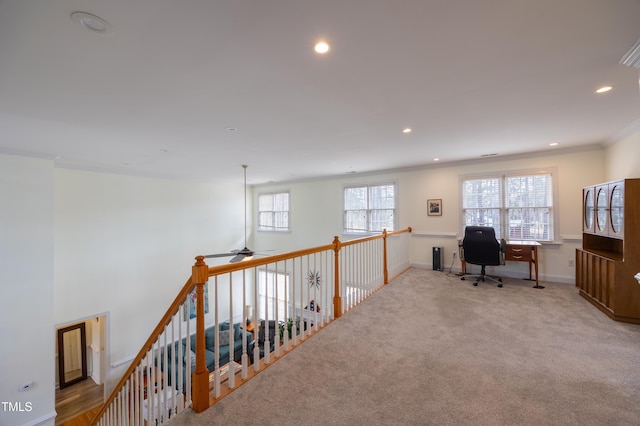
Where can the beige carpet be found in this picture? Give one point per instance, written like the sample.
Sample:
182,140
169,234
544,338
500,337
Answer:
432,349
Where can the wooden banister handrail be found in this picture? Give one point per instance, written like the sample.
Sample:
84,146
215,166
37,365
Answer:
400,231
374,237
255,262
166,318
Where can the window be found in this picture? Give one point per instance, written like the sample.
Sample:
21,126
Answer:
369,208
518,206
273,292
273,211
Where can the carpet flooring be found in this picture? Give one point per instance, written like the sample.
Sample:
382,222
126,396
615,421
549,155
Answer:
430,349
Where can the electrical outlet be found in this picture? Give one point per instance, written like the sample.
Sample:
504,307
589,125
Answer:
571,264
25,386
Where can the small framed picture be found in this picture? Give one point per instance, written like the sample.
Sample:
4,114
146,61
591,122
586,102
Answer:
434,207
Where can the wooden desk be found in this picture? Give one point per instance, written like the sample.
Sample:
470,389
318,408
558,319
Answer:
516,251
524,251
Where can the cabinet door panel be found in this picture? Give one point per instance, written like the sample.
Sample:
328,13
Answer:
616,210
588,209
602,210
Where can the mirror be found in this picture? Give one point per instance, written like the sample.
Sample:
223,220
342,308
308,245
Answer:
72,355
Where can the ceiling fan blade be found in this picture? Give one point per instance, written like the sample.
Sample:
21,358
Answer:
209,256
244,254
238,258
239,254
265,252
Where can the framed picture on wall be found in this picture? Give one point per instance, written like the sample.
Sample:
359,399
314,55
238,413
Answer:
191,314
434,207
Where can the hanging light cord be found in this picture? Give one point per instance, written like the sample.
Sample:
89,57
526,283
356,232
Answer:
244,166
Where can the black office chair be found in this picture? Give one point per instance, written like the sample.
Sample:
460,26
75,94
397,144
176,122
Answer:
481,248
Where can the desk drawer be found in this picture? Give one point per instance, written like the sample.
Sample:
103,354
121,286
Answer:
519,253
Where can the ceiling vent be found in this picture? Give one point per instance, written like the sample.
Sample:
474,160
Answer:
632,57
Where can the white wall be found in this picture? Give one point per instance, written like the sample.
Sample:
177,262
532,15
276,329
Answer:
623,158
315,212
26,302
125,246
316,208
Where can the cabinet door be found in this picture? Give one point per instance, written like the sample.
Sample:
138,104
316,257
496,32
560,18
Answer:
602,210
616,209
588,210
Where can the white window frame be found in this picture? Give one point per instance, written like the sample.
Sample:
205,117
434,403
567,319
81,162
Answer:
274,294
369,209
501,216
271,215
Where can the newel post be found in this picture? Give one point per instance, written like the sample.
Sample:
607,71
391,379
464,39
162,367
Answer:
337,299
385,269
200,377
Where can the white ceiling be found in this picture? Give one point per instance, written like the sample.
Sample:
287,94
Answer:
155,97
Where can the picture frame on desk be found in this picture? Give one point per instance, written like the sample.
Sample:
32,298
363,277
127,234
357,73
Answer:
434,207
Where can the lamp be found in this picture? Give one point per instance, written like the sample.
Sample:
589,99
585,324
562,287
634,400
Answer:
247,313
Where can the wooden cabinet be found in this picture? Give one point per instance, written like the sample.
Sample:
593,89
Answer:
610,253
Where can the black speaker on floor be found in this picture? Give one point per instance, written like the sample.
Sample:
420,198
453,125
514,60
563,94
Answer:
438,259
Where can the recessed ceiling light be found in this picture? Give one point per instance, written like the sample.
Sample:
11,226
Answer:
604,89
322,47
92,22
230,129
436,159
553,144
406,130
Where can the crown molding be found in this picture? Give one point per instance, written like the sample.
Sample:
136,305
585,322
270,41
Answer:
631,129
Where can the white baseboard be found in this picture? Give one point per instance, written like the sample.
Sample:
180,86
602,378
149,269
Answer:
46,420
507,274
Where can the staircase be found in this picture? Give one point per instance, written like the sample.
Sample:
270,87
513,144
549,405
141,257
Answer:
182,364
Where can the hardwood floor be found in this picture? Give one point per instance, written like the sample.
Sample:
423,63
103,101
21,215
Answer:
77,403
83,419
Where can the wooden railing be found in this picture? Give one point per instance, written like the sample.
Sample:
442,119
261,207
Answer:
260,308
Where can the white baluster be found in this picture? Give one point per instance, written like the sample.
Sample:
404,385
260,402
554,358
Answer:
231,371
256,349
297,322
276,343
245,318
216,342
187,379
